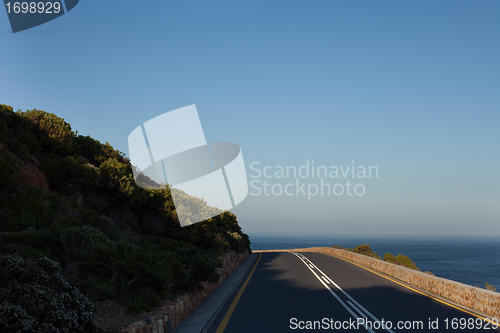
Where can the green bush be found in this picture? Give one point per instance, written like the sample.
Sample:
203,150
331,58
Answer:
50,124
30,141
405,261
365,250
30,208
400,260
36,297
388,257
489,287
89,148
32,243
64,172
134,274
192,265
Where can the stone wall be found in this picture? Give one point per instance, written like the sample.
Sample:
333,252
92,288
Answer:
481,300
165,318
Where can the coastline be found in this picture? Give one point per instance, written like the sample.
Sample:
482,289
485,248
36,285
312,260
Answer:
469,260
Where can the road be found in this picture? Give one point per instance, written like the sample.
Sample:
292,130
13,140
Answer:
313,292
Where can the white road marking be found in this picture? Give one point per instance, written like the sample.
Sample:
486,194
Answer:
335,295
352,299
361,313
358,307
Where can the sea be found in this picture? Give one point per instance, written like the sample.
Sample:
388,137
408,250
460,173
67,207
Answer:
472,261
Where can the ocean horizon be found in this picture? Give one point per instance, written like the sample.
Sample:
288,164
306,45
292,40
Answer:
470,260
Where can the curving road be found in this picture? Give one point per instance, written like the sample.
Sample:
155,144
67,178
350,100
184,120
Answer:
313,292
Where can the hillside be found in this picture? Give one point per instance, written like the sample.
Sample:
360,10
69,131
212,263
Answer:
75,229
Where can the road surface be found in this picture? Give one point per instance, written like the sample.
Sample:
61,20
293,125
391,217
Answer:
313,292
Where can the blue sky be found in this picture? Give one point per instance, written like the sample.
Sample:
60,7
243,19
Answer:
412,87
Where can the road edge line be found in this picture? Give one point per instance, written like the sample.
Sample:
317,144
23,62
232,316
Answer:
227,316
426,293
418,291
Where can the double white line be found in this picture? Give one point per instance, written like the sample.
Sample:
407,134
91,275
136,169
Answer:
352,306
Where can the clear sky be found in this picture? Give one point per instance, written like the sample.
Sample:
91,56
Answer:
412,87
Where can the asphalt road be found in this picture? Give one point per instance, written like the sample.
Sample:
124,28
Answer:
313,292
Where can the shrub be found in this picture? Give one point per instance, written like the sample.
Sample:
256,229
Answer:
136,275
36,292
30,141
49,123
405,261
89,148
64,171
31,208
32,243
193,264
365,250
388,257
140,277
402,261
490,287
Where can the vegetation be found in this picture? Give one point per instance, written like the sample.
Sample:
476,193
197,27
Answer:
37,293
73,200
366,250
363,249
490,287
400,260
